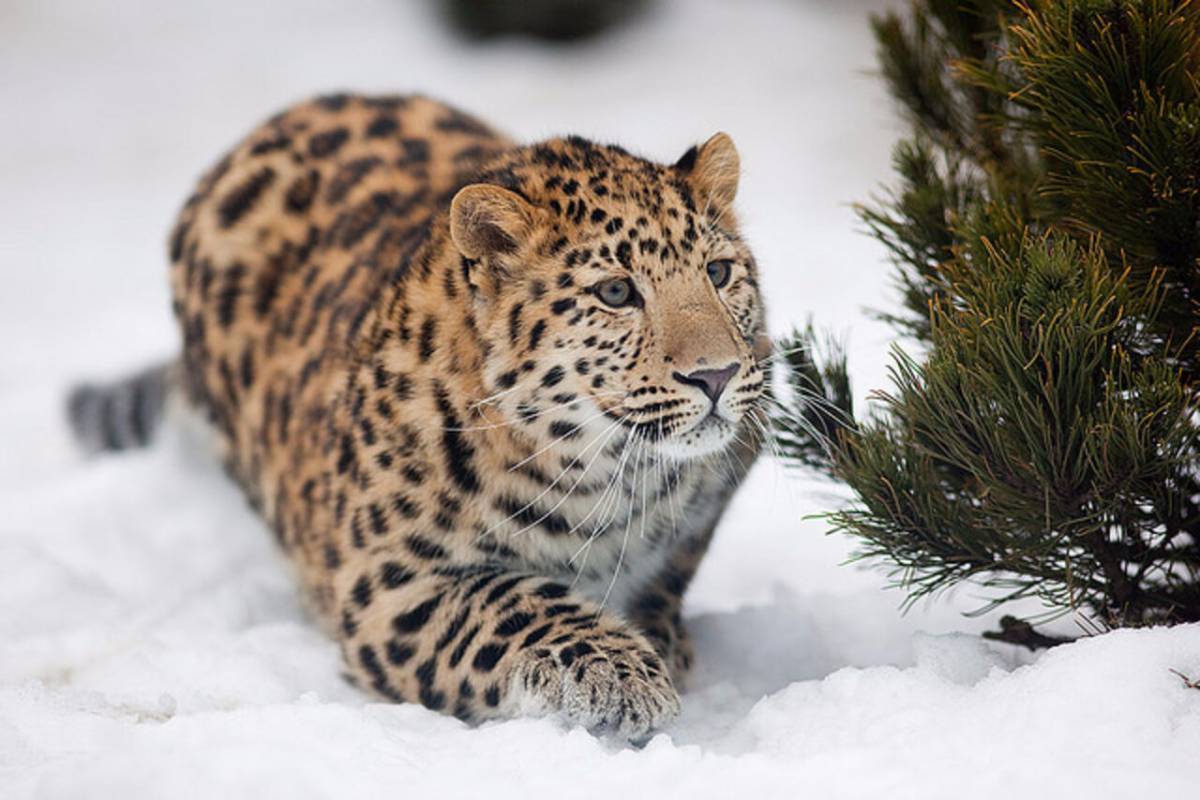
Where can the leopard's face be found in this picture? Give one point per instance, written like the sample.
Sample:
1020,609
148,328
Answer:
627,305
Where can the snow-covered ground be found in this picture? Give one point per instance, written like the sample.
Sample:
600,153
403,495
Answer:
150,641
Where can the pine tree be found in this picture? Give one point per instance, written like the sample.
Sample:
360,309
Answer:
1045,236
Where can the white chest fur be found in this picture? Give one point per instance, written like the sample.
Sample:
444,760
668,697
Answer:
620,534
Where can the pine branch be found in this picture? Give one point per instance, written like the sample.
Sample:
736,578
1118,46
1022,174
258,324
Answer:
1045,237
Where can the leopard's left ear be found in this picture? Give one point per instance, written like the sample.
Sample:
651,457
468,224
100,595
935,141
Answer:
713,170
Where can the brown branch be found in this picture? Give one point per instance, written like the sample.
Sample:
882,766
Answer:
1019,632
1188,682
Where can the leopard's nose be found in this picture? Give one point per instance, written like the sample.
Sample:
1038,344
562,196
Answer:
710,381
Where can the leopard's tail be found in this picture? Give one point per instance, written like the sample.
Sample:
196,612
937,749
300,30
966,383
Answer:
122,414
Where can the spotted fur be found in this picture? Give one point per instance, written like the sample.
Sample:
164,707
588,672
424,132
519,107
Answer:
495,487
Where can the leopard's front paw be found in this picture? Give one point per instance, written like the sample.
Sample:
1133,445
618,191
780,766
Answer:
610,687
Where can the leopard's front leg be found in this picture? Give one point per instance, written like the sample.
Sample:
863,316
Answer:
482,642
657,611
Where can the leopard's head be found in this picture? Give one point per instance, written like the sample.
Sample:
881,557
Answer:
615,294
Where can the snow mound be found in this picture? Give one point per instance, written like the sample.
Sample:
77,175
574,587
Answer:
152,645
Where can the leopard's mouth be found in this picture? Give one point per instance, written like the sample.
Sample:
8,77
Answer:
712,434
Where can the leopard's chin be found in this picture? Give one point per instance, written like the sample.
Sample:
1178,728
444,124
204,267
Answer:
710,436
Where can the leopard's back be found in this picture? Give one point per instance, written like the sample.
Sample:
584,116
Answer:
278,262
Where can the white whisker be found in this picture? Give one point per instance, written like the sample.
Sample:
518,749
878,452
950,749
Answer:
624,537
540,413
560,439
607,433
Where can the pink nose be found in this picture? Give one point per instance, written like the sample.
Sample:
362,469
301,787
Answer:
710,381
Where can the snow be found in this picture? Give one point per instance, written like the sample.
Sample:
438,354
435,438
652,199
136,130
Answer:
150,640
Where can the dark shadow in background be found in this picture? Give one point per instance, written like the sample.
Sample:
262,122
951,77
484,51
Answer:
549,20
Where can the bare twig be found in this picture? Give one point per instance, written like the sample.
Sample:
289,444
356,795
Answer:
1019,632
1188,682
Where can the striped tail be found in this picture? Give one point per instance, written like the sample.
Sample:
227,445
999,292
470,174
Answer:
123,414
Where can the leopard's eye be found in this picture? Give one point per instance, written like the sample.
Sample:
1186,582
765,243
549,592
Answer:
616,292
719,271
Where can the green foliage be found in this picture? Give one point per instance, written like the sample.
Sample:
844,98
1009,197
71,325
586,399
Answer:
817,378
914,228
1046,240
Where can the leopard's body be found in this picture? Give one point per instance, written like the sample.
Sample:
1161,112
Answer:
495,486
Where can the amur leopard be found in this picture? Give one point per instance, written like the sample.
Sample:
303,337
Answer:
492,398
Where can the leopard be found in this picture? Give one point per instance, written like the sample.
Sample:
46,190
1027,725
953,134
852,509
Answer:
491,398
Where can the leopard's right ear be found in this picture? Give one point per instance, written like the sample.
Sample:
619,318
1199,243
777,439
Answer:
488,220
